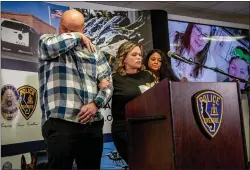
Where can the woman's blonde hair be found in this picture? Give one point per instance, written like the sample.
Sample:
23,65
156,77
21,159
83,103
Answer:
122,53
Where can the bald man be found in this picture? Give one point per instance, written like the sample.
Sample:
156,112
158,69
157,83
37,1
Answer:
69,95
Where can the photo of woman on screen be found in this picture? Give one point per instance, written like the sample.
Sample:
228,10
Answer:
193,44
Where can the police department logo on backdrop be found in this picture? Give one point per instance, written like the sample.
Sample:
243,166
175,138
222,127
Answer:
209,111
28,100
9,102
7,166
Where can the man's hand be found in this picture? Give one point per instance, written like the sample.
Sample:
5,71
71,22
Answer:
104,83
87,113
86,42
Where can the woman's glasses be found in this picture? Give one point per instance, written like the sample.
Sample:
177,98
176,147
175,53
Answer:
198,32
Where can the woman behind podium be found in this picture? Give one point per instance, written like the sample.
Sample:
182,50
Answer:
157,63
130,80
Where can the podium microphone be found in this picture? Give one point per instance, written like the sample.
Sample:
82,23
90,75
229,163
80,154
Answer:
177,57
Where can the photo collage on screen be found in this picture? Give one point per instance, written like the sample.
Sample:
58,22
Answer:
213,46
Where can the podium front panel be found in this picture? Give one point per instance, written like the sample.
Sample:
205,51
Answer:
193,148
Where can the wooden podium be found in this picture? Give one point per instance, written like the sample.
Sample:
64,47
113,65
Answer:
164,132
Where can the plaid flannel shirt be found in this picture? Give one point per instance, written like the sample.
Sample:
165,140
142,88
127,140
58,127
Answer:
69,75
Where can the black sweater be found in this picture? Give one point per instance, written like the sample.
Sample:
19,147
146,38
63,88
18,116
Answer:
126,88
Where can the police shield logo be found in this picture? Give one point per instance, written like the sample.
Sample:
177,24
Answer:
209,111
9,102
28,100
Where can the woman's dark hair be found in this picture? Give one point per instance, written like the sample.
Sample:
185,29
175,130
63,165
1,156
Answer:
165,70
184,39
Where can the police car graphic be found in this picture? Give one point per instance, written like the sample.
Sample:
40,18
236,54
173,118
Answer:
18,36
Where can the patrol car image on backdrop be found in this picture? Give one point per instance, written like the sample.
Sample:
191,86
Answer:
18,37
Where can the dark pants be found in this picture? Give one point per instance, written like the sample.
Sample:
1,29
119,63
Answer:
119,135
68,141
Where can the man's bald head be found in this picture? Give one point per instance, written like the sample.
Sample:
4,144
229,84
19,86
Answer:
71,21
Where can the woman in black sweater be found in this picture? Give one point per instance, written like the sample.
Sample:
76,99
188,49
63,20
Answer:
128,80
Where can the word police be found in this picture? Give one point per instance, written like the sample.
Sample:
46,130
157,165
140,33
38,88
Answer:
210,98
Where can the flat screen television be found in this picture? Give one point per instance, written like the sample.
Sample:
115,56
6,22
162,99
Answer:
214,46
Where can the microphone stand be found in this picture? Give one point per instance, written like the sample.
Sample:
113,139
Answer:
217,70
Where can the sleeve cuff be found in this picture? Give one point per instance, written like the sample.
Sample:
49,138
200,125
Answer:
98,103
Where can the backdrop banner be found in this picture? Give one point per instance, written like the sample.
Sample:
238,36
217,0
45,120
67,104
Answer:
22,25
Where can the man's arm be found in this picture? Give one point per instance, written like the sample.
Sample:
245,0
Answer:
51,46
88,111
104,72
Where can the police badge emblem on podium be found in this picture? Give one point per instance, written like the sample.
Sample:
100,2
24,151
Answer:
208,109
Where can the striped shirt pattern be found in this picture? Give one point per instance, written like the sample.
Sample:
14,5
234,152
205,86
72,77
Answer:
69,75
